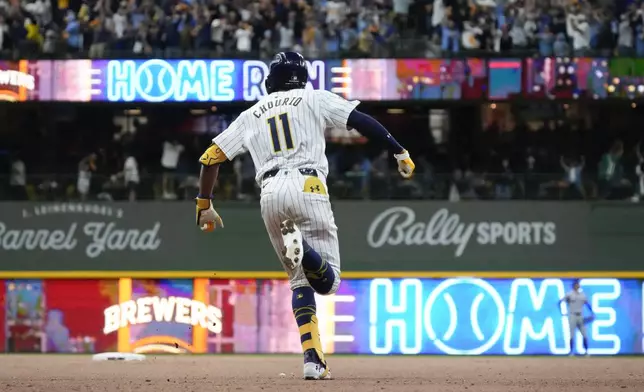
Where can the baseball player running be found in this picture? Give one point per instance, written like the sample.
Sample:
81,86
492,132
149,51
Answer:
576,300
284,133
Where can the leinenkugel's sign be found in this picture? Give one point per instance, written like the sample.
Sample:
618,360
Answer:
374,236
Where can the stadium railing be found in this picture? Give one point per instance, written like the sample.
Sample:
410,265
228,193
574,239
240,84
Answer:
350,185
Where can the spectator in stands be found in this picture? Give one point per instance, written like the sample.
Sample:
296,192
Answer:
530,175
201,33
504,181
580,35
170,37
266,50
639,41
336,12
610,169
505,41
518,34
244,35
4,34
312,40
348,37
625,40
434,49
286,36
34,39
50,43
531,28
172,150
131,176
18,178
101,31
40,10
546,41
451,37
604,39
86,167
73,33
141,44
573,175
217,29
560,46
639,173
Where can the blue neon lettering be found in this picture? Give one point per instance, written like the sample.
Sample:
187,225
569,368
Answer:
465,316
602,294
179,81
193,77
395,321
119,86
535,318
222,82
254,73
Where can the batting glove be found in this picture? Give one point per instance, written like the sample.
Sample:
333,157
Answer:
207,218
405,165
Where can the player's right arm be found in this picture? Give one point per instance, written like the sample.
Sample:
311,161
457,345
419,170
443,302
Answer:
340,113
225,146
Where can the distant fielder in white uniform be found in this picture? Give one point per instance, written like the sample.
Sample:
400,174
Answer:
284,133
576,299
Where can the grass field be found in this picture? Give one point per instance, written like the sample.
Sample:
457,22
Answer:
65,373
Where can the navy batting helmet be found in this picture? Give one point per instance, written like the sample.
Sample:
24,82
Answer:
287,71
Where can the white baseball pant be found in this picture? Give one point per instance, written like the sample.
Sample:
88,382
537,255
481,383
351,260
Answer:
283,197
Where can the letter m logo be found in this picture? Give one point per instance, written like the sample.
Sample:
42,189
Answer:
534,324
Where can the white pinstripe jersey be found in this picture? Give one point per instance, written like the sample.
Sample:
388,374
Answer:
286,129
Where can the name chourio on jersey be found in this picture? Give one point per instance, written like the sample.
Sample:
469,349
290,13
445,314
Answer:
286,101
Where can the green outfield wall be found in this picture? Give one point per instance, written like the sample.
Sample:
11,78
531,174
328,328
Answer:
390,238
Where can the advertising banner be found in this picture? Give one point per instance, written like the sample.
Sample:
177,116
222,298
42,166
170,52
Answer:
455,316
376,239
19,81
221,80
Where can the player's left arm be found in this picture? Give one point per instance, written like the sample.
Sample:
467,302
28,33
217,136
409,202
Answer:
590,308
342,114
373,130
225,146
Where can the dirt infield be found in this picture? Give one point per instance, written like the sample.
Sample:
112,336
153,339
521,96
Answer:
256,373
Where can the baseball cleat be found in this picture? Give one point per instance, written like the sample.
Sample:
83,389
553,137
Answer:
316,371
292,244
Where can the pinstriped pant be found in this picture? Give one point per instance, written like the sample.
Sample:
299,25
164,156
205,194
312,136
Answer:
283,197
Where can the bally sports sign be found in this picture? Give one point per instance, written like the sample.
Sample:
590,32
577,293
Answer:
399,226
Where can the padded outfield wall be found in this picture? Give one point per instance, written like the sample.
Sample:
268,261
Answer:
419,277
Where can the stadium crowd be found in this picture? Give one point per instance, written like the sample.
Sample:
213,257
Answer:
318,28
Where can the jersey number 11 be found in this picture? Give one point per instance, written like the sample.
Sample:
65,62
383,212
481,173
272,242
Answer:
286,129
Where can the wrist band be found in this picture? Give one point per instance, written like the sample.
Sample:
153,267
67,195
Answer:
403,156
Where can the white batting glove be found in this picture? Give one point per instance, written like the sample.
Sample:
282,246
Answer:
207,218
405,165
